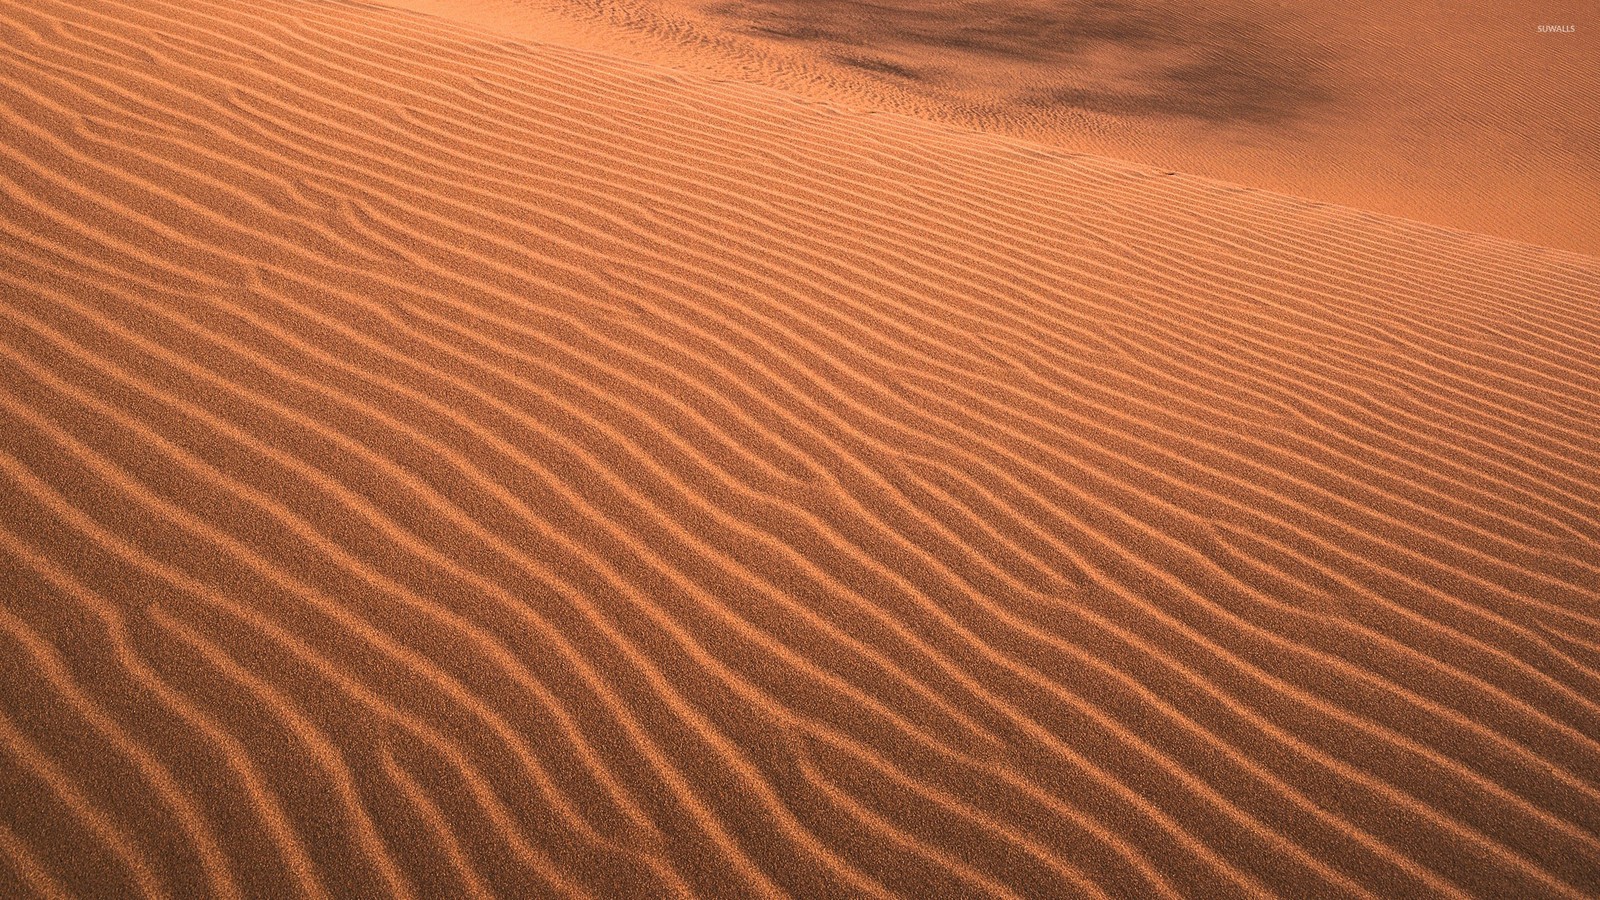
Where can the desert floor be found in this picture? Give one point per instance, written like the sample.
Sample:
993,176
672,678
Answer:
813,448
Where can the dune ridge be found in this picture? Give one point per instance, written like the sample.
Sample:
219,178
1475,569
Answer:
438,464
1466,115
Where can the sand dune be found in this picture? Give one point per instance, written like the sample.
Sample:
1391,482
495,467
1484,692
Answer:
435,463
1479,116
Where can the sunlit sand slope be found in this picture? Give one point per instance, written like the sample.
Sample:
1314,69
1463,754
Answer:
434,464
1482,115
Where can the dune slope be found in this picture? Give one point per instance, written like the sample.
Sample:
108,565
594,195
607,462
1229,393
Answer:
433,464
1482,116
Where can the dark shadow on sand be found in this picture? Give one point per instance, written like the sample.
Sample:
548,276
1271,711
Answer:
1185,61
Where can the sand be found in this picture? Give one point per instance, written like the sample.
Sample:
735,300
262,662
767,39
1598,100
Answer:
1462,115
505,453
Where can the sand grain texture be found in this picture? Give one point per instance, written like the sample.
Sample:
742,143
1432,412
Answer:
436,463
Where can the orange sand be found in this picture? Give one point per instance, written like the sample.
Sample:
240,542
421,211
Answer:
506,454
1463,115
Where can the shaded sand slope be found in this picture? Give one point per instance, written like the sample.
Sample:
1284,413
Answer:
435,464
1461,114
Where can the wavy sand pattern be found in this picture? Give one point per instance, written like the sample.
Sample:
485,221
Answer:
438,464
1481,115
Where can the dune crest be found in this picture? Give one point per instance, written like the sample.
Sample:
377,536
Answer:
1483,117
434,463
